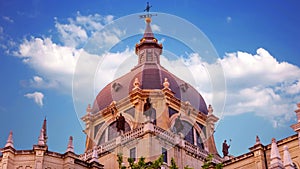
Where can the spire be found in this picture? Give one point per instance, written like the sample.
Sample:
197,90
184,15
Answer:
45,130
276,162
95,154
41,141
10,142
257,141
148,49
70,145
148,34
287,161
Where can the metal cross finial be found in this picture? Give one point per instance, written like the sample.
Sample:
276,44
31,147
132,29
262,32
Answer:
147,7
148,15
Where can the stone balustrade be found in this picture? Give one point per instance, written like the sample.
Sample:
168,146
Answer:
158,132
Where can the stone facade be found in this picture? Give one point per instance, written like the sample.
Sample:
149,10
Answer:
280,154
41,158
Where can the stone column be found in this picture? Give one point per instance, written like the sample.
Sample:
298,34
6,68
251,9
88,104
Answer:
210,128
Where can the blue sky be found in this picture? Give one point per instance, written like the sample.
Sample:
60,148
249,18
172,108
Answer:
258,43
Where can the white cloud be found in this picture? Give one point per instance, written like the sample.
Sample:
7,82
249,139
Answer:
8,19
37,97
256,83
228,19
76,31
155,28
71,34
260,84
1,29
37,79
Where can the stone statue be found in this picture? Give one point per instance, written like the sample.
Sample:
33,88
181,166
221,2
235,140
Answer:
147,108
149,111
178,126
225,148
120,123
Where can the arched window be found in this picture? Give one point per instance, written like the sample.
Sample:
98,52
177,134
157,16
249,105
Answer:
199,140
188,132
111,132
191,135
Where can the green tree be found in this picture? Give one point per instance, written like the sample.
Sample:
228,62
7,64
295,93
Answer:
173,164
208,163
187,167
120,161
141,164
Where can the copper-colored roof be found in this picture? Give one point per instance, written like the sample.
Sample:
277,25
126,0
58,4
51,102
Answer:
151,76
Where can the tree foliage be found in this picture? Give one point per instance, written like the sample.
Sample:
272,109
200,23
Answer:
141,164
173,164
208,163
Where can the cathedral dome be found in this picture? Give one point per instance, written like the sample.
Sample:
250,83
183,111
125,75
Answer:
150,75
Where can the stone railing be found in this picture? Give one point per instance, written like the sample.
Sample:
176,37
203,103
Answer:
191,148
107,146
158,132
133,134
161,133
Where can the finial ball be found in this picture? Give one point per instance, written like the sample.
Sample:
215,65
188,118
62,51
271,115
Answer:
148,19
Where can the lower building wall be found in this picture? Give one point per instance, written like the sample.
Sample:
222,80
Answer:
254,160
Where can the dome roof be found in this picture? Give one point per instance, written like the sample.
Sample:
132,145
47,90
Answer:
151,75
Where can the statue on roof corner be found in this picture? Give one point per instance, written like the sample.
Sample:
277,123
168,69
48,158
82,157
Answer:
147,7
225,148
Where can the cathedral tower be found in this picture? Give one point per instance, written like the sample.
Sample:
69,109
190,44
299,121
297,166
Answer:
149,112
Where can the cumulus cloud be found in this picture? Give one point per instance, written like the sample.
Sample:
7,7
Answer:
37,97
58,61
76,31
256,83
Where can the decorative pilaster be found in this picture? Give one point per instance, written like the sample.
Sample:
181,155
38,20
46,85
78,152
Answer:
258,151
287,161
40,150
210,122
276,162
296,127
8,153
